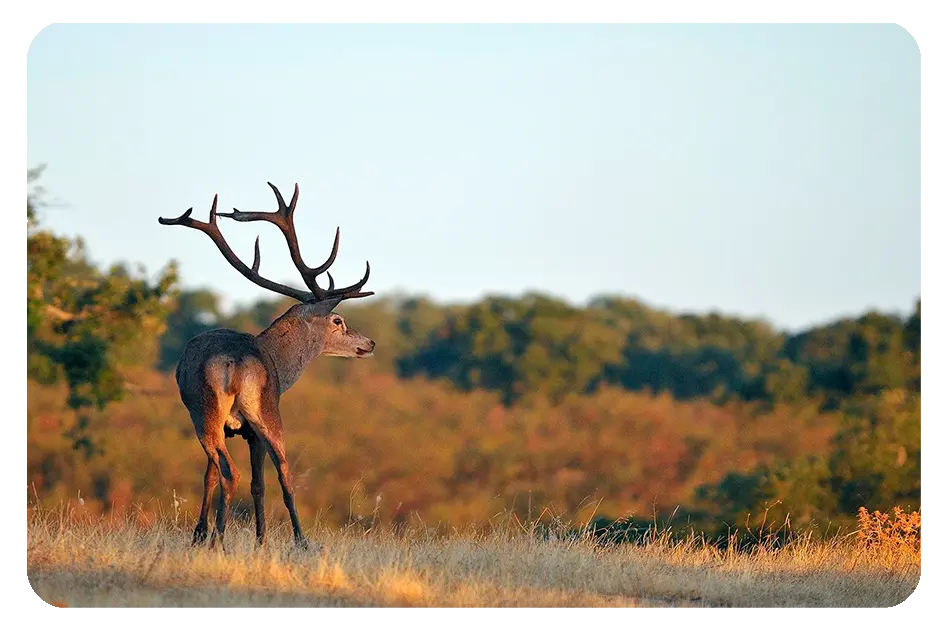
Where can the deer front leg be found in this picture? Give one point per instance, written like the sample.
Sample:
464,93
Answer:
278,456
276,449
257,455
267,428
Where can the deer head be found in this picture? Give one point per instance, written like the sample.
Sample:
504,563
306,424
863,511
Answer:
317,304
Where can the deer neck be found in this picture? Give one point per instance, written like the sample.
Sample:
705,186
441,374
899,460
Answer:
291,343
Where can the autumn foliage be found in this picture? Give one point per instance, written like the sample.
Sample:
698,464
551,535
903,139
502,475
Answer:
510,405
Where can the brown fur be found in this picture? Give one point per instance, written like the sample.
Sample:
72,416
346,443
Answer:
231,382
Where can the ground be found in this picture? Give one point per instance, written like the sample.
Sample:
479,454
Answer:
73,561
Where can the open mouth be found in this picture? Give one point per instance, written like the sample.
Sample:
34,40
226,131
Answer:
363,353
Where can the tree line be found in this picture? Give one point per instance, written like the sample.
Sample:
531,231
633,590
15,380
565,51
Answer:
538,345
508,395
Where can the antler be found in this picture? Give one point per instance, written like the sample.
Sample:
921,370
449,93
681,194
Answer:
283,217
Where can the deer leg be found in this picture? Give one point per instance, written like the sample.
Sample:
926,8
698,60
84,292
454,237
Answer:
209,482
267,427
257,455
277,452
228,480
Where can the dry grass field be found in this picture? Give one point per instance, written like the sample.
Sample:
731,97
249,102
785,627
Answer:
78,561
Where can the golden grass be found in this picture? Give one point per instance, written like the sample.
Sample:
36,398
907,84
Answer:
882,531
79,561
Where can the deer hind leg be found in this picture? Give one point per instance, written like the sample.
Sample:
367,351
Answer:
228,480
203,423
268,429
210,429
209,482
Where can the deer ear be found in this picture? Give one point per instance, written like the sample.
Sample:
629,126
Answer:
324,307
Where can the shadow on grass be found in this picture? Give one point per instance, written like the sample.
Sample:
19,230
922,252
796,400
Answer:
100,588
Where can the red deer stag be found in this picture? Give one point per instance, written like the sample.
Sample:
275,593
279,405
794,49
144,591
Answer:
231,382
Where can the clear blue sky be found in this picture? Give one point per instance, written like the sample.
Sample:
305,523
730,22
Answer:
762,171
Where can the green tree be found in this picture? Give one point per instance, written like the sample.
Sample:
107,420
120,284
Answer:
876,460
857,357
84,325
196,312
532,345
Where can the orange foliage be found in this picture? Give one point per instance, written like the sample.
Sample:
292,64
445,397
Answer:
425,449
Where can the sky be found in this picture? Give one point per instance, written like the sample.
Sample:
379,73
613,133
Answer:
759,171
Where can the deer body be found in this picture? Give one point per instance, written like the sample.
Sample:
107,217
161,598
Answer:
231,382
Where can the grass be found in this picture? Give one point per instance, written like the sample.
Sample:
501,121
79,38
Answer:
77,560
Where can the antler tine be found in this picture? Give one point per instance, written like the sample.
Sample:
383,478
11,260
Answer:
316,271
283,208
258,256
211,229
180,220
294,198
353,290
283,218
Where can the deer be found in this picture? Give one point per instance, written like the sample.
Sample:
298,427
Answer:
231,382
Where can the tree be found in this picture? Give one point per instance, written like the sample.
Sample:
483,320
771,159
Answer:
84,325
876,460
196,312
518,347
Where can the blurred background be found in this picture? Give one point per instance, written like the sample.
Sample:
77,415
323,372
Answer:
620,270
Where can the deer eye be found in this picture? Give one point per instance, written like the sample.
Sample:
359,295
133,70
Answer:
338,321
